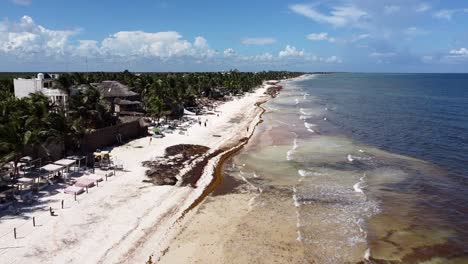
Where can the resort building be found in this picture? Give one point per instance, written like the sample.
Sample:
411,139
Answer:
42,84
123,101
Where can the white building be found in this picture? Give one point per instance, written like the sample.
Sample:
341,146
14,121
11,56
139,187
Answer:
42,84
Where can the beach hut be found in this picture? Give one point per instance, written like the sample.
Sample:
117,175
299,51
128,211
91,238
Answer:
79,160
66,163
52,169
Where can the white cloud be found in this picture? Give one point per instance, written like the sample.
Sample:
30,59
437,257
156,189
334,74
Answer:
258,41
390,9
265,57
160,44
87,48
29,41
229,52
456,55
340,16
22,2
320,36
422,7
25,37
445,14
291,51
459,52
415,31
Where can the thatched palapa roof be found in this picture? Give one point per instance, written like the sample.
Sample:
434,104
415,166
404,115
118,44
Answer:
119,101
113,89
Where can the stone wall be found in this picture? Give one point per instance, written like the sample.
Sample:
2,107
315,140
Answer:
113,135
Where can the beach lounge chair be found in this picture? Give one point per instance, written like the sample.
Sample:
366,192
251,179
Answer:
73,190
84,183
95,178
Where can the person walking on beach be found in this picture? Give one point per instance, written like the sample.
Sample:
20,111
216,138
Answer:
151,139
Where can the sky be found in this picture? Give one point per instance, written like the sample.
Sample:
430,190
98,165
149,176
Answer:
208,35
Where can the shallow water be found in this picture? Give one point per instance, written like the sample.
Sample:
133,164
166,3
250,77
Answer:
354,199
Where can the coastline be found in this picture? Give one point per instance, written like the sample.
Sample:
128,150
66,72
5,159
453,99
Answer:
126,220
211,232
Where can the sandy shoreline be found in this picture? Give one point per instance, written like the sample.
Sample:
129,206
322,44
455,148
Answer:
125,220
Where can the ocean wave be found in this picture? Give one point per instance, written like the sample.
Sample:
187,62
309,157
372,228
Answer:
359,185
297,101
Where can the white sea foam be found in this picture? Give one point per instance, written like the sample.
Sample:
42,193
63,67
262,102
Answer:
298,221
360,185
297,101
357,187
367,254
305,95
305,173
352,158
290,153
296,201
309,127
303,112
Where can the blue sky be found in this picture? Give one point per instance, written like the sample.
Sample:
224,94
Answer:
206,35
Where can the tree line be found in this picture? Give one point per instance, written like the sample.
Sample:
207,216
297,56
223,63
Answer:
34,120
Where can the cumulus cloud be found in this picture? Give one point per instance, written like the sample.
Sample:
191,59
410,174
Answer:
26,37
229,52
160,44
320,36
291,51
339,16
258,41
22,2
459,52
32,42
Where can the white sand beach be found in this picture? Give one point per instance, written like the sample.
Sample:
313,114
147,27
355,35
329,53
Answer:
123,220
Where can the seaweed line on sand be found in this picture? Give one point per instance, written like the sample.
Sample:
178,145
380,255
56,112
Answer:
217,179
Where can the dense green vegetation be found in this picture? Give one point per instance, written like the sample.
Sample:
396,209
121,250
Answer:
32,121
